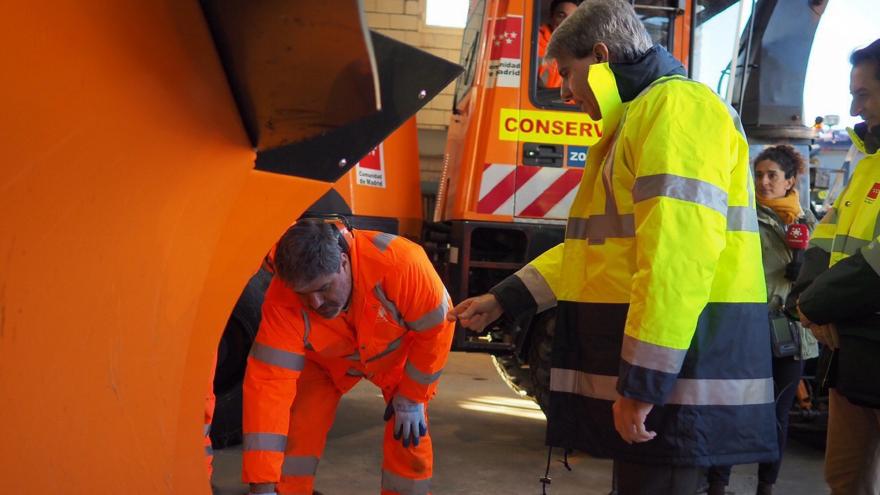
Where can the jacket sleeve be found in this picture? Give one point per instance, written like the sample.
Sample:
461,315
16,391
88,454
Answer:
534,287
849,290
815,263
816,258
419,294
276,360
682,169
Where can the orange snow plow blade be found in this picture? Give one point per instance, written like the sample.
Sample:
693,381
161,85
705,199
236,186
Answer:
130,218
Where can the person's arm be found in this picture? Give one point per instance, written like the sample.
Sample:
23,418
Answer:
815,263
276,360
419,294
534,287
849,290
682,173
816,258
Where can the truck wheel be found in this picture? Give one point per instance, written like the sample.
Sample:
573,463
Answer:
540,351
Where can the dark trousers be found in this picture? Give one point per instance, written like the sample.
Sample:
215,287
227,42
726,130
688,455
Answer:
651,479
787,373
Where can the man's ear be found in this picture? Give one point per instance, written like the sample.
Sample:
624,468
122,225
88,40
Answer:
600,52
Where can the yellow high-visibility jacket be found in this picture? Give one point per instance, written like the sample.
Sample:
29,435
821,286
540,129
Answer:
659,286
854,220
840,280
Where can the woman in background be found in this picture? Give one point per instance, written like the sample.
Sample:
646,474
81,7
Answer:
776,171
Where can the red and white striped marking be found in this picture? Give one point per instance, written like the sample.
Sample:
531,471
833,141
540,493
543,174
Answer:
526,191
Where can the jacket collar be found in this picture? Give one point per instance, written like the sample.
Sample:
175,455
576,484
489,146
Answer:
617,83
633,77
865,140
767,216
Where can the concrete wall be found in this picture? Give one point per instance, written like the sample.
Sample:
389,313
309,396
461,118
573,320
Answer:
404,20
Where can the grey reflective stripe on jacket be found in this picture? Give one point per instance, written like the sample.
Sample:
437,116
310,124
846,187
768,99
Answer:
382,240
848,245
430,319
420,377
299,465
404,486
270,442
647,355
687,391
681,188
278,357
537,287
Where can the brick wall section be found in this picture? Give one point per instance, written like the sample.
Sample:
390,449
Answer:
403,20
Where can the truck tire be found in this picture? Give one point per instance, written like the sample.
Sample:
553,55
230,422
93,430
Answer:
540,352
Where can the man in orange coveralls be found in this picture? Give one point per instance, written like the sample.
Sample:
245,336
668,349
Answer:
343,305
548,74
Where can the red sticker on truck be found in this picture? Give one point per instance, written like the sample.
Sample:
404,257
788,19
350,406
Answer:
371,168
505,55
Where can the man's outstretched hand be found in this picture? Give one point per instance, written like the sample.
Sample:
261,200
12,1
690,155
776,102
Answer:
476,313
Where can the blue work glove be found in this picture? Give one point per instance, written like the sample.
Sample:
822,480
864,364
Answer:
409,420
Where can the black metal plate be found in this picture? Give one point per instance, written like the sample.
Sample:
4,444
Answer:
408,78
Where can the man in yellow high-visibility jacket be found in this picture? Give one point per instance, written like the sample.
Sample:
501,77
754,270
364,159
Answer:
839,297
661,356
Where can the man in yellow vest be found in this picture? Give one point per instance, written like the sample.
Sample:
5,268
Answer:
839,300
661,357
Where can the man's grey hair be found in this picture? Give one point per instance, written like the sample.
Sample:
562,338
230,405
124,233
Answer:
308,250
612,22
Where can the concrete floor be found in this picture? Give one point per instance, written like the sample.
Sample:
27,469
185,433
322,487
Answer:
487,440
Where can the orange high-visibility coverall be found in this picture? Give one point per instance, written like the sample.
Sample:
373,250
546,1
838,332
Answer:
548,72
394,333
